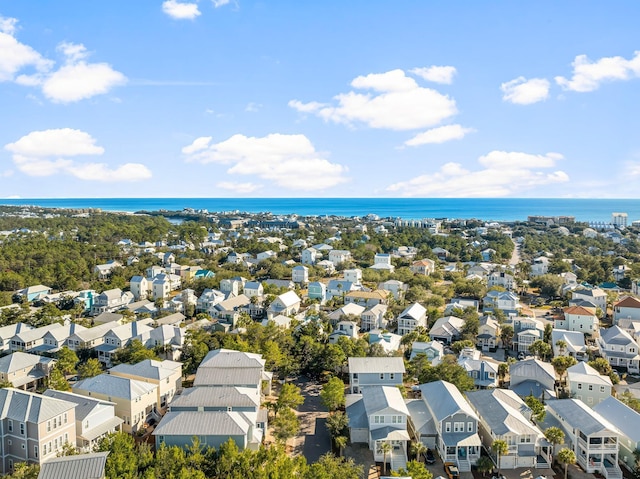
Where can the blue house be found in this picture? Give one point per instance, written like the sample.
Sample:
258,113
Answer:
317,290
204,273
33,293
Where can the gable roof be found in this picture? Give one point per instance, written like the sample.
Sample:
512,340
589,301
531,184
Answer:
532,369
228,358
379,398
216,397
30,407
83,466
415,311
628,302
621,416
115,386
288,299
19,360
148,368
444,400
582,372
503,411
578,310
578,415
615,335
207,423
376,365
84,405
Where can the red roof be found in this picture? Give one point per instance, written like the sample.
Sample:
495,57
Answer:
628,302
578,310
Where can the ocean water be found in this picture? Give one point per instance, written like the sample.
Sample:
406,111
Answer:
496,209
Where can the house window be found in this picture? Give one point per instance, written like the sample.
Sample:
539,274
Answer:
35,451
590,387
394,419
470,427
9,442
10,425
381,376
579,385
601,389
22,428
65,417
391,375
376,419
11,464
447,427
458,427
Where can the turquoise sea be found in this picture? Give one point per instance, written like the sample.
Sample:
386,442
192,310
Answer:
500,209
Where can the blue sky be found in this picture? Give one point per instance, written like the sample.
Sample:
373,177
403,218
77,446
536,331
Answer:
284,98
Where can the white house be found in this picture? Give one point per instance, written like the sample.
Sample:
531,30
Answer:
574,344
587,384
627,421
619,348
300,274
374,317
578,318
382,371
447,329
308,256
502,279
338,256
353,275
382,261
593,295
140,287
627,308
287,304
413,316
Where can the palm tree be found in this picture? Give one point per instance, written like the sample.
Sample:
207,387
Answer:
484,464
418,449
500,447
561,344
386,448
566,456
555,436
341,443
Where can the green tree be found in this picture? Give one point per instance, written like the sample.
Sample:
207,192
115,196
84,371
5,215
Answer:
540,349
57,381
337,424
506,335
90,368
331,467
603,367
67,360
561,364
414,470
566,456
289,397
418,449
537,408
447,370
500,448
332,394
122,461
341,442
23,470
133,353
285,425
458,346
484,465
554,435
386,449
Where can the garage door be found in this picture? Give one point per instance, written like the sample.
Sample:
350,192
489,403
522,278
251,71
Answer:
359,435
508,462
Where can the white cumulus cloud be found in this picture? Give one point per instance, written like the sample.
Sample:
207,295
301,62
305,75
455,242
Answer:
47,152
81,80
220,3
289,161
502,174
525,92
242,188
181,10
589,75
14,56
440,134
436,74
394,101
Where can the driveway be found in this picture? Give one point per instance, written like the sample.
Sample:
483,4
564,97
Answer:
313,438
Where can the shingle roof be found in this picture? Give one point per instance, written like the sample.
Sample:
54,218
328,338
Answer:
210,423
628,302
579,310
115,386
376,365
83,466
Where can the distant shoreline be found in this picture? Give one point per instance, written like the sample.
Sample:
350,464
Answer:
487,209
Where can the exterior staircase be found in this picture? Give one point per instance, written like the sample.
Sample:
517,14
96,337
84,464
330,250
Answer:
612,472
464,465
398,459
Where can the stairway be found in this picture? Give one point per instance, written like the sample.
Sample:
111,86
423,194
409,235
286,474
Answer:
398,459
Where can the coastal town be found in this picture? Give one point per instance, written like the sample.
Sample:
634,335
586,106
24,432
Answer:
192,344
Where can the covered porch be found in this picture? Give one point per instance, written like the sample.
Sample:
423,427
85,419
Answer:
398,439
461,448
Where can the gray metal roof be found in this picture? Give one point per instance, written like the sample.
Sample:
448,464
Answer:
148,368
18,360
84,405
503,411
30,407
227,377
227,358
97,331
216,397
83,466
578,415
356,412
379,398
115,386
444,399
421,417
195,423
615,335
621,416
582,372
376,365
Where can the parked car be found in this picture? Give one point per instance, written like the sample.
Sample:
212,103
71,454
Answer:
451,470
430,457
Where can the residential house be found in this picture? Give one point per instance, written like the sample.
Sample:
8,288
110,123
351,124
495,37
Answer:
300,274
578,318
527,331
413,317
140,287
338,256
539,266
423,267
505,416
287,304
229,310
480,269
488,334
328,267
265,255
587,384
447,329
501,279
170,337
33,293
10,331
83,466
627,421
532,376
339,287
593,439
433,350
382,261
95,418
574,344
208,299
135,401
167,375
110,300
379,416
91,337
441,253
487,254
280,321
103,271
280,283
456,424
308,256
395,287
163,284
380,371
484,372
54,339
224,367
232,287
253,288
506,301
85,298
353,275
317,290
619,349
367,299
627,308
460,304
118,337
26,340
348,329
390,342
35,428
374,318
593,295
25,371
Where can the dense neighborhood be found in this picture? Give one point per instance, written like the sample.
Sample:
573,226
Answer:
363,345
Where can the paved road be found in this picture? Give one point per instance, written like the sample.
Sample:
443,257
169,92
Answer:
515,256
313,439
